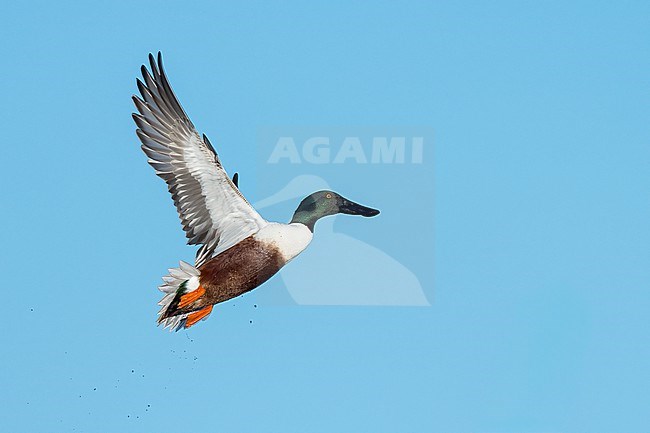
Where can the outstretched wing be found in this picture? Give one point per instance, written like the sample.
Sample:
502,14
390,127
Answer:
213,212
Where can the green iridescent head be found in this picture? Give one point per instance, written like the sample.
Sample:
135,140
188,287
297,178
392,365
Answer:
324,203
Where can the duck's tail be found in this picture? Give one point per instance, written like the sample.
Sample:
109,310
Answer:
182,291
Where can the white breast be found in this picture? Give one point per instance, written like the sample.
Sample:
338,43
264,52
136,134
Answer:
290,239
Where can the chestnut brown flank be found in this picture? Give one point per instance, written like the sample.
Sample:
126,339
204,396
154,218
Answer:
238,270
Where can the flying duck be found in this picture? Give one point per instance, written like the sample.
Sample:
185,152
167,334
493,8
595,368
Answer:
239,250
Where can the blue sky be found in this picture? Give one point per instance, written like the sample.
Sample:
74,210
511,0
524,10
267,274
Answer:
537,217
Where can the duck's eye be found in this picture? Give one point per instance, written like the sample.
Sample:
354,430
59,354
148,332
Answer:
328,195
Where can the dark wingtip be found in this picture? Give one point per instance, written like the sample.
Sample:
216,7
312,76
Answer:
152,64
235,180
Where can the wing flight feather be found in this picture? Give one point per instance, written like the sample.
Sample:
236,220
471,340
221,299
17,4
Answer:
213,212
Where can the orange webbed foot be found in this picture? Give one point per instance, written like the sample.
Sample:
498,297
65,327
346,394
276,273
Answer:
198,315
190,297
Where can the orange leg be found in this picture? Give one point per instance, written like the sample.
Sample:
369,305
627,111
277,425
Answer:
190,297
197,315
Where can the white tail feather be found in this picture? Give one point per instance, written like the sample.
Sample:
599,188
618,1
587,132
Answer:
173,281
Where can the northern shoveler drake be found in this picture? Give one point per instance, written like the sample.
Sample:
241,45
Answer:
239,250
